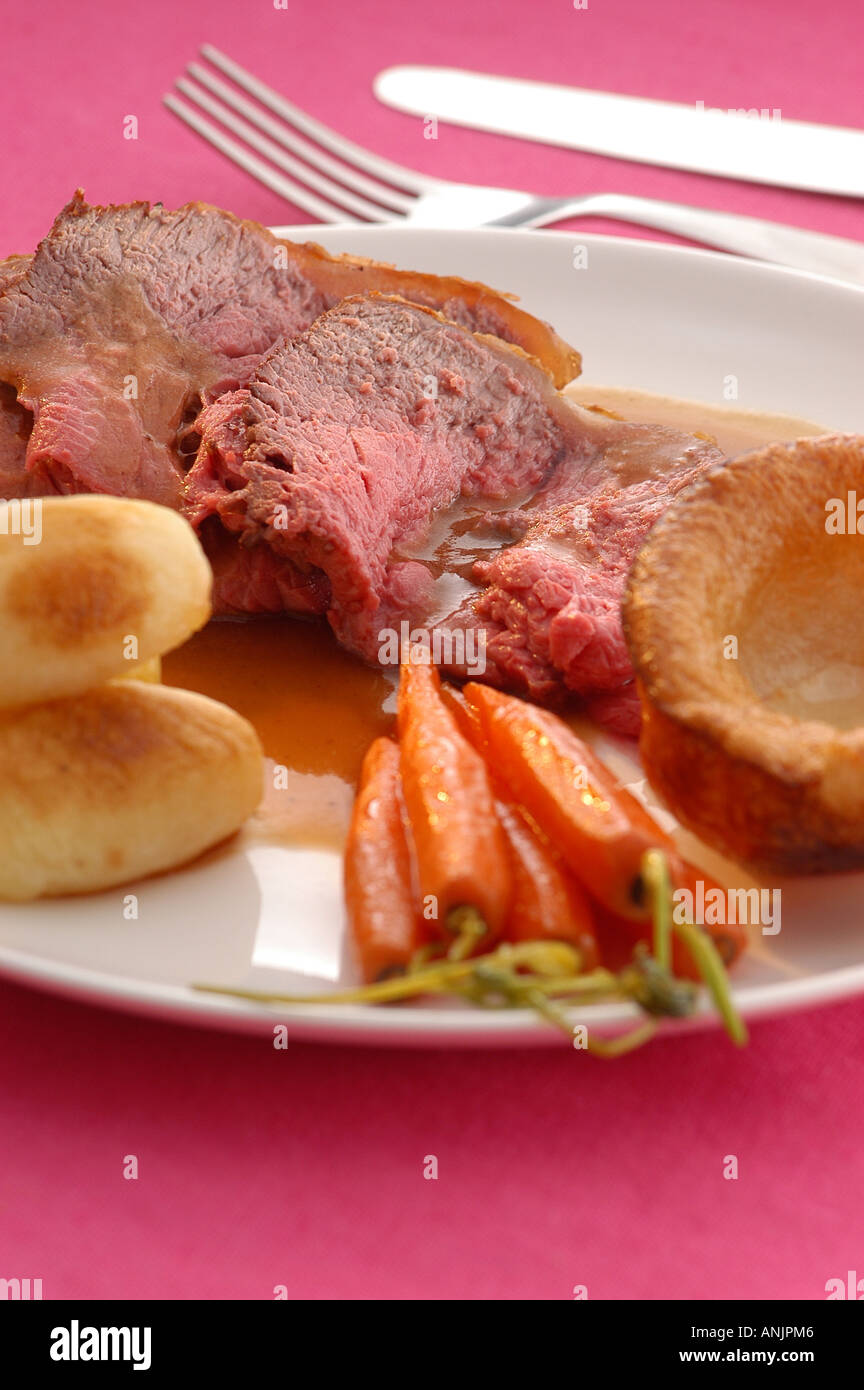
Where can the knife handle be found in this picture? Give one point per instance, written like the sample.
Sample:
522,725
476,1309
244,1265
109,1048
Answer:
748,236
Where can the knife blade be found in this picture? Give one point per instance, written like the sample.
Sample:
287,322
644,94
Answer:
760,147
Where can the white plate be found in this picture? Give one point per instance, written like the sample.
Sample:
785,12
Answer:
644,315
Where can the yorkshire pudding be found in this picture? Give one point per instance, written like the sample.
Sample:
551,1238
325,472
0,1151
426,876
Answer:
744,616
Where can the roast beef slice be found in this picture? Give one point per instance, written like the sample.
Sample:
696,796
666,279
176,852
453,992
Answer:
351,440
127,319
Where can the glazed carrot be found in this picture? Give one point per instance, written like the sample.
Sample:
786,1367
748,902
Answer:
382,913
547,905
618,935
466,716
459,847
600,829
730,938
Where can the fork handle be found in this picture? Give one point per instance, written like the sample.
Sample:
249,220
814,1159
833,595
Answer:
748,236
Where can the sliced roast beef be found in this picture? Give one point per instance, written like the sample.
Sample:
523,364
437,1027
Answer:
14,268
555,595
128,318
353,434
15,421
350,443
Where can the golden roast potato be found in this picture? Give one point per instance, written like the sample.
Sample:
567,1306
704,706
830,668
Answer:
126,780
98,585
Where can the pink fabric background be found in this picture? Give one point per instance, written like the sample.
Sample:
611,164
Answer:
304,1168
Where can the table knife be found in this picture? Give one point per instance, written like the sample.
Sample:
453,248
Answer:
761,147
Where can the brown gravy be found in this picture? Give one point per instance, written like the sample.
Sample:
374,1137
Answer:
317,709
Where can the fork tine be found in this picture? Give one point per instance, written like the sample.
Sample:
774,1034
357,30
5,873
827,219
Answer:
285,187
382,168
277,156
313,154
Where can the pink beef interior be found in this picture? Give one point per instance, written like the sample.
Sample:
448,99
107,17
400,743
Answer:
354,436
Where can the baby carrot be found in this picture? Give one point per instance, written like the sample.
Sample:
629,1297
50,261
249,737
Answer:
459,847
730,938
600,829
466,716
547,905
618,935
382,912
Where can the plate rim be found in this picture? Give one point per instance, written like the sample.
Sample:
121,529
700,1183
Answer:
292,232
183,1004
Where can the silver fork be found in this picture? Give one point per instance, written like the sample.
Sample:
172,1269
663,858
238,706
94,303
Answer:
336,180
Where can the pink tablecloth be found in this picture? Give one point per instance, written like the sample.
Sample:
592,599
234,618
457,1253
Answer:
305,1167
